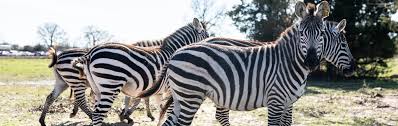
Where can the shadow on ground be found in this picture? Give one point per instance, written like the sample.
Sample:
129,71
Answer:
70,123
84,123
353,85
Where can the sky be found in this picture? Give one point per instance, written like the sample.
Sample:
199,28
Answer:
126,20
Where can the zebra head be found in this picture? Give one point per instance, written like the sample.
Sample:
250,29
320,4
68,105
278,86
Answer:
310,27
336,50
200,28
191,33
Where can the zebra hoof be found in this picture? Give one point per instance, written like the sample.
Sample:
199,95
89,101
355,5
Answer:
72,115
121,117
130,121
152,118
41,120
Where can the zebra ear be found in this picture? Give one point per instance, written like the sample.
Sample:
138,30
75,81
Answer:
300,9
198,26
322,9
340,27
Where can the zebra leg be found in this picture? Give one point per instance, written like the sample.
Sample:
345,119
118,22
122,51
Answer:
126,107
286,118
75,108
222,116
189,106
173,112
158,100
80,98
275,112
148,109
103,103
169,111
59,87
129,111
74,111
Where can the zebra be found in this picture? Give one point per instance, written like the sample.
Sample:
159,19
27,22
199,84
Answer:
66,76
246,78
333,35
113,68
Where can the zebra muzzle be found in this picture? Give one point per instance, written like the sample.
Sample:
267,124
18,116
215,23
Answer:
311,61
350,70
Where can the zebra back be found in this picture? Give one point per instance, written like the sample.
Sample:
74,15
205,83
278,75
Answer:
148,43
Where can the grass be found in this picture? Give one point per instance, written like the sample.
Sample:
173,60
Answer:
350,102
12,69
392,67
340,103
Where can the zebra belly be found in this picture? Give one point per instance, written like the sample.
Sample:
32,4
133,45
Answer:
242,105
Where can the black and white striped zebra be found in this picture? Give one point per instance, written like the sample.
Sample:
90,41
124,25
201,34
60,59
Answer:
66,76
113,68
246,78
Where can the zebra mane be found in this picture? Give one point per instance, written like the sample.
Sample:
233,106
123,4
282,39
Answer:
151,48
141,41
249,41
311,8
182,30
74,50
131,46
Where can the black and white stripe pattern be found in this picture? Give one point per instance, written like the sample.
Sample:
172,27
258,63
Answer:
113,68
246,78
148,43
66,76
335,43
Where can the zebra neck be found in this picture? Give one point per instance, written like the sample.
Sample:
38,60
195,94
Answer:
291,56
182,37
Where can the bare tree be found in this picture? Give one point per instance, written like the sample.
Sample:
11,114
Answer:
208,12
51,33
95,35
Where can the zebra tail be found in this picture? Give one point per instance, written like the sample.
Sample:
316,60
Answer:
53,54
156,87
77,63
164,108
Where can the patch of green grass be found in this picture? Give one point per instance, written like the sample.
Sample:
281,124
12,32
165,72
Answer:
392,67
24,69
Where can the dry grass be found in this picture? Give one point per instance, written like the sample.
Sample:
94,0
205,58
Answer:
339,103
361,103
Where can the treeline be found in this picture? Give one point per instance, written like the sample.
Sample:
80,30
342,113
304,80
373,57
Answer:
52,35
32,48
